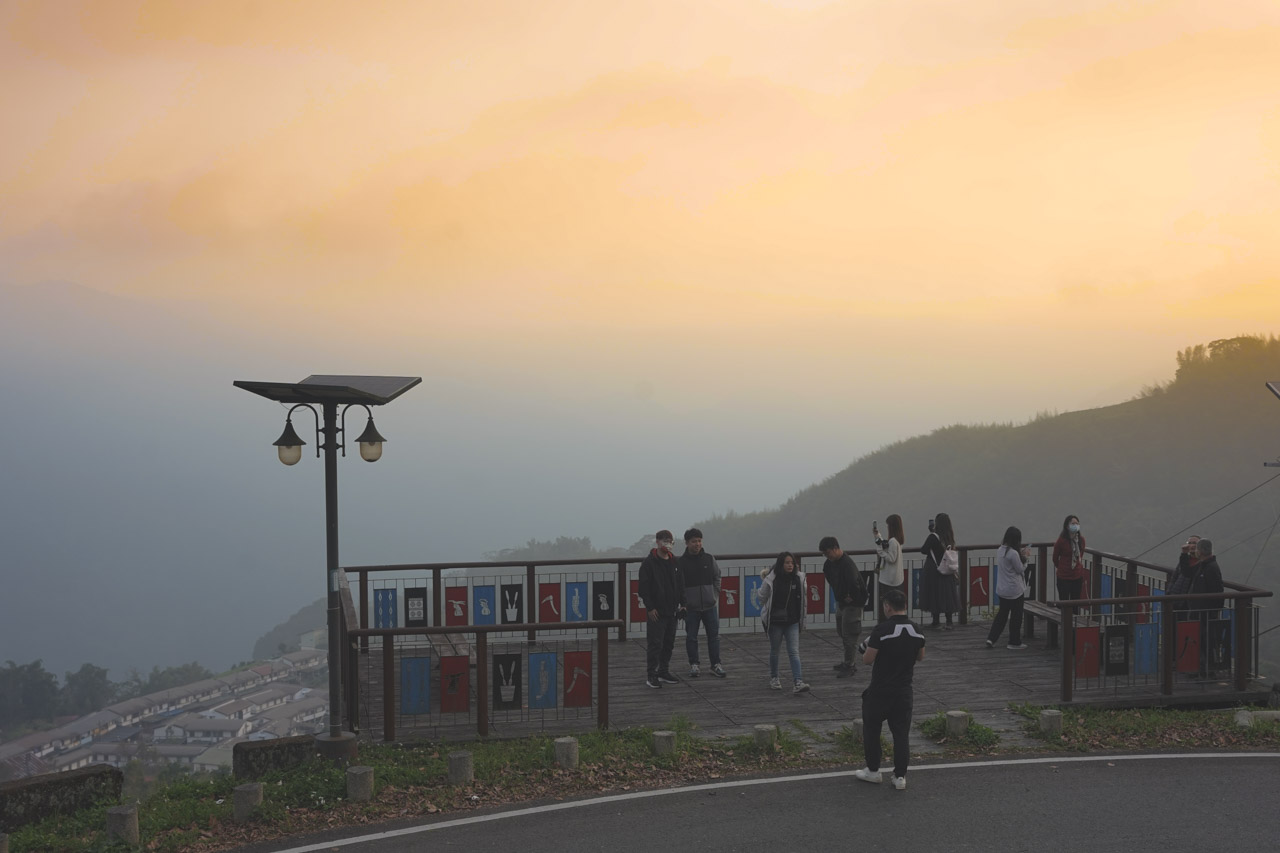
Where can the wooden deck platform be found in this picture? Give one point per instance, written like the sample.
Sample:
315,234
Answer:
959,672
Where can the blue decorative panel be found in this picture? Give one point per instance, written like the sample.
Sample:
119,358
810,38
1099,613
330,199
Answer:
542,680
485,605
1146,645
751,595
1107,586
915,588
415,685
831,599
1156,607
386,609
576,603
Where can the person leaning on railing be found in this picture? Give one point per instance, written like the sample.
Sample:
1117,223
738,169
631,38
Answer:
1068,560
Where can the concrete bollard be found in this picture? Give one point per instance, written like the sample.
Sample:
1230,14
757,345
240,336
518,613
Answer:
957,723
856,728
462,769
766,736
122,823
359,784
664,743
246,799
567,752
1244,719
1051,722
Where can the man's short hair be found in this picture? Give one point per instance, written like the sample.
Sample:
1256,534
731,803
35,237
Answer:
828,543
1205,547
664,534
692,533
895,599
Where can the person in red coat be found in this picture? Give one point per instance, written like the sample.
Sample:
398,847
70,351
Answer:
1068,560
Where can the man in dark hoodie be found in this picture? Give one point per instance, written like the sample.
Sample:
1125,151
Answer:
701,576
851,595
662,594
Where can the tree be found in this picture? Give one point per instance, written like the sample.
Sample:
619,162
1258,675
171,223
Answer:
86,690
27,693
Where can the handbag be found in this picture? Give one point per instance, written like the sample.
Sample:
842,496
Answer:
950,563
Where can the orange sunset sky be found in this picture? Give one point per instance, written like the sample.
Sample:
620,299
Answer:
791,192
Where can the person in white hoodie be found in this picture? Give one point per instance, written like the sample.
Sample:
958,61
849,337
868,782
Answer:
889,550
1011,587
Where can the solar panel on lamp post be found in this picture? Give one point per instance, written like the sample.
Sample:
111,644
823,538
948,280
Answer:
328,392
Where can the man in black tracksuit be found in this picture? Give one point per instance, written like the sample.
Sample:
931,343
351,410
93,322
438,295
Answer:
662,594
700,575
892,650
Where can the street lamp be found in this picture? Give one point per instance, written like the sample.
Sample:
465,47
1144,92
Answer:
328,393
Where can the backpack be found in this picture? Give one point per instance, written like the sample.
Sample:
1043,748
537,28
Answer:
950,564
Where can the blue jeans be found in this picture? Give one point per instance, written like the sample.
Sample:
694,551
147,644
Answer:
694,618
792,633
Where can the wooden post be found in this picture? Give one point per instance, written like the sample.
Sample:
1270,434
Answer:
1243,641
364,610
437,596
623,595
1131,591
388,688
964,585
482,683
602,678
353,685
531,600
1068,652
1168,646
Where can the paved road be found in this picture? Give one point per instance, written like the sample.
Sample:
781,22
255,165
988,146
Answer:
1113,803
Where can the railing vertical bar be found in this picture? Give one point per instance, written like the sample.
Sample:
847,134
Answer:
964,585
602,678
1042,574
364,609
353,686
531,599
1168,643
482,683
388,688
1243,613
623,594
1068,652
437,596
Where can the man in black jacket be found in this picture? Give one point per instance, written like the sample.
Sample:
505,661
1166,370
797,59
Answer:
851,594
662,594
701,576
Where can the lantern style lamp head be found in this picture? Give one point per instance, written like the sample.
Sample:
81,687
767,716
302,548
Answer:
370,442
289,444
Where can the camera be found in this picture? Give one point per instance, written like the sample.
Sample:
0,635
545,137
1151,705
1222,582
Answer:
932,525
862,647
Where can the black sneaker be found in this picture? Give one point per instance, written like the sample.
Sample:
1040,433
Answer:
667,678
652,681
847,673
840,666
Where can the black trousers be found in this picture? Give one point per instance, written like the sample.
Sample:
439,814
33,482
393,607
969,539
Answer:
660,639
1070,590
894,705
1010,611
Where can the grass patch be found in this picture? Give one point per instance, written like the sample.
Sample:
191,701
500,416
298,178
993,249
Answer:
849,742
977,739
1096,729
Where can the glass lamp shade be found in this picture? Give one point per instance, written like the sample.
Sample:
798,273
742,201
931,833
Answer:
290,454
371,451
289,444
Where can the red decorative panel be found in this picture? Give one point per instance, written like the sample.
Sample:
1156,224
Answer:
1144,610
1088,655
638,616
1188,646
815,593
577,679
455,605
549,609
455,684
980,585
730,598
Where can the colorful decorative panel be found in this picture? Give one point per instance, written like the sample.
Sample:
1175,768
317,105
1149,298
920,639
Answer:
1107,585
511,604
455,684
1187,654
577,679
638,615
1117,642
980,586
415,685
484,605
1146,646
1217,643
603,602
815,584
542,680
415,607
730,598
508,681
549,603
1143,616
455,605
385,608
577,605
751,595
1156,607
1087,652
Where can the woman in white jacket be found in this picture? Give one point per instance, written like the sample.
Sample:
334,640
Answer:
889,550
1011,587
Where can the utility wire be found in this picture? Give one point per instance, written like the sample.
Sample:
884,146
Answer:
1210,515
1263,549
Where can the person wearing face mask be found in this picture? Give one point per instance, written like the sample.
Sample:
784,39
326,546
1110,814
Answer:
662,594
1068,560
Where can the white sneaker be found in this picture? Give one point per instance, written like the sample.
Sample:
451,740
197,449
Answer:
989,643
900,783
801,687
775,684
693,670
868,775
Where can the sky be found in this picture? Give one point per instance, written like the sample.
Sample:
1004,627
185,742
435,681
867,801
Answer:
653,261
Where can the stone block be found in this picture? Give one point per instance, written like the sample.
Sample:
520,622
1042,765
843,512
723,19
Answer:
122,823
247,798
1051,722
567,752
664,743
766,736
36,798
957,723
359,784
252,759
1244,719
462,770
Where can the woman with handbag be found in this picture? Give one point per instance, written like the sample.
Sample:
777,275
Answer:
939,592
1011,587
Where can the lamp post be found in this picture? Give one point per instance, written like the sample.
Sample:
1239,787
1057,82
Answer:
328,393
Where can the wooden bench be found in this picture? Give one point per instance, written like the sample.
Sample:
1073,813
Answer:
1032,609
